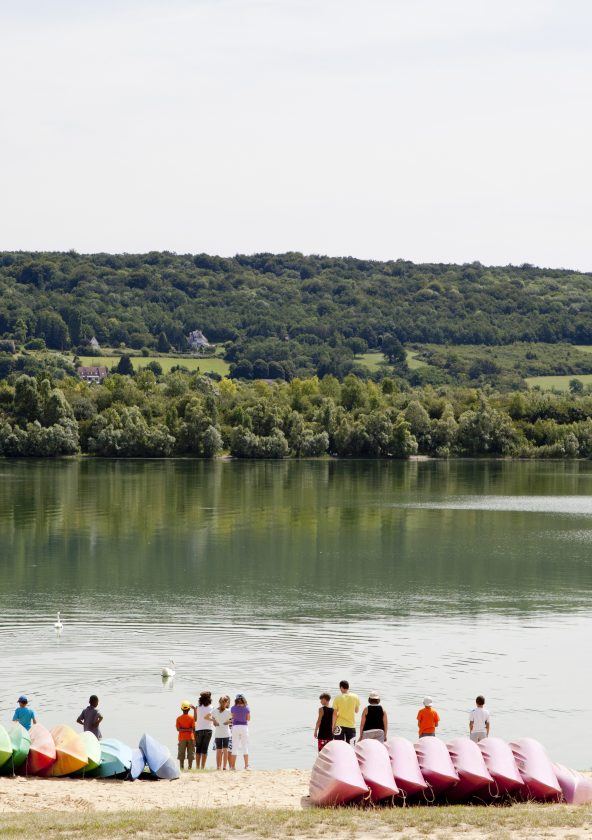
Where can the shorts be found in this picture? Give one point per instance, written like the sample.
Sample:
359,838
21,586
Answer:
478,736
222,743
345,733
240,740
202,741
373,734
322,742
428,735
186,749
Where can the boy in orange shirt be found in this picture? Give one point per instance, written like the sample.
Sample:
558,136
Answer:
186,730
427,718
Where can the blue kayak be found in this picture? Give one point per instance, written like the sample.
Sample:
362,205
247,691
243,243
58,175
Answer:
138,763
116,759
158,758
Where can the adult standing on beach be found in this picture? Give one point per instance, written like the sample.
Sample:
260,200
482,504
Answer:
345,708
241,715
204,728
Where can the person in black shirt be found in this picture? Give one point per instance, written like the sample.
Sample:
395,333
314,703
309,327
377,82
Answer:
323,731
90,718
374,722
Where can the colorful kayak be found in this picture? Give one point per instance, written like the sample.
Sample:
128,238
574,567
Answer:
435,763
158,758
93,751
336,777
5,746
21,743
405,766
499,760
535,768
575,787
42,752
116,759
375,765
71,752
468,762
138,763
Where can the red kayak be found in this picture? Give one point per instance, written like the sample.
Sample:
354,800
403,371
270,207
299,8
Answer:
42,752
575,787
435,763
470,766
405,766
336,777
536,769
375,765
501,764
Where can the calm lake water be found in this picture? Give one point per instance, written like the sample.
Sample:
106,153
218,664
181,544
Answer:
279,579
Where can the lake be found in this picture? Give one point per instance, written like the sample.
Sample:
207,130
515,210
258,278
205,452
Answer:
278,579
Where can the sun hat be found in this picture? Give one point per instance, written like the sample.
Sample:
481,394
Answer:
374,695
185,704
427,701
22,699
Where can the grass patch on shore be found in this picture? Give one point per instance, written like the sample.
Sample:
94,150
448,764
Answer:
534,820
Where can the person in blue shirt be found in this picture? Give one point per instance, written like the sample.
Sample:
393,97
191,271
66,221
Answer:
23,714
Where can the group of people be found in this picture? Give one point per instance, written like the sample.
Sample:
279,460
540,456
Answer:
338,722
228,725
89,717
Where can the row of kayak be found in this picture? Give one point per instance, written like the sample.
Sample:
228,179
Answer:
64,752
431,771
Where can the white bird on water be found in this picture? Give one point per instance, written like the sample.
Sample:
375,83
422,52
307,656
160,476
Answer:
169,672
58,625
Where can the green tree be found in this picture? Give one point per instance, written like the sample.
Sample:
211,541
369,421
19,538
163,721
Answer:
125,366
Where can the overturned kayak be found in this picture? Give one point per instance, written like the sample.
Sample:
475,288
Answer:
116,759
575,787
405,766
501,764
435,763
535,768
468,762
93,751
375,764
42,751
336,777
71,753
21,743
5,746
158,758
138,764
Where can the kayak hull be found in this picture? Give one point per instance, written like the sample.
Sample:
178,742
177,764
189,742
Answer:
158,758
501,764
469,764
435,764
575,787
405,766
71,753
93,751
336,777
42,752
5,747
374,762
116,759
536,769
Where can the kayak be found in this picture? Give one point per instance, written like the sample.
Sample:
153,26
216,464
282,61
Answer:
535,768
93,751
575,787
71,752
336,777
468,762
116,759
158,758
5,746
42,752
375,764
499,760
435,763
138,763
21,743
405,766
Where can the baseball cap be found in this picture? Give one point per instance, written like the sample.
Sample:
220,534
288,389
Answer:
185,704
240,697
22,699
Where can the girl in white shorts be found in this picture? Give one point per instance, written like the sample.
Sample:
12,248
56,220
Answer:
241,715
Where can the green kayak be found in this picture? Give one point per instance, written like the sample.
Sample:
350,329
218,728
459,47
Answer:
93,749
21,743
5,746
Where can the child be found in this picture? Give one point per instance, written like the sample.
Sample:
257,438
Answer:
186,730
23,714
222,717
90,717
479,721
427,719
241,715
374,723
323,730
204,727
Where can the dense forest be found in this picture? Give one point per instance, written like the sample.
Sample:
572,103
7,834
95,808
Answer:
286,315
182,414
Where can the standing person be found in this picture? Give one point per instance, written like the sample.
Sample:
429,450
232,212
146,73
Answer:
479,721
90,718
222,717
241,715
427,719
204,728
23,714
323,730
374,722
345,708
186,729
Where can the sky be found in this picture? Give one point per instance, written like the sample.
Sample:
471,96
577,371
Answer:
430,130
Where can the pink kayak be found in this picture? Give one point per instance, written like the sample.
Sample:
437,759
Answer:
405,766
469,764
576,788
535,768
336,777
499,760
374,762
435,763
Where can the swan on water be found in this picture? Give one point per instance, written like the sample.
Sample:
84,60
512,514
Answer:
169,672
58,625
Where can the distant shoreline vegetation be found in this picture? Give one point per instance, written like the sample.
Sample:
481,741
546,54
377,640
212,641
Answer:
180,414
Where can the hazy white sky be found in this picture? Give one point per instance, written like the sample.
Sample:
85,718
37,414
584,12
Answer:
432,130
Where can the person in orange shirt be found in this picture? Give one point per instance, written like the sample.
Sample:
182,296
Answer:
427,718
186,730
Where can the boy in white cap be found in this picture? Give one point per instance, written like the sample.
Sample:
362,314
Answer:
427,718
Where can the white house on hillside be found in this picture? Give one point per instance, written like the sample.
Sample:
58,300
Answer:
197,340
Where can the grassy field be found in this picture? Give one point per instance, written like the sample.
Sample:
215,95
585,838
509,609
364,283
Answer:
446,823
377,362
531,359
206,364
558,383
